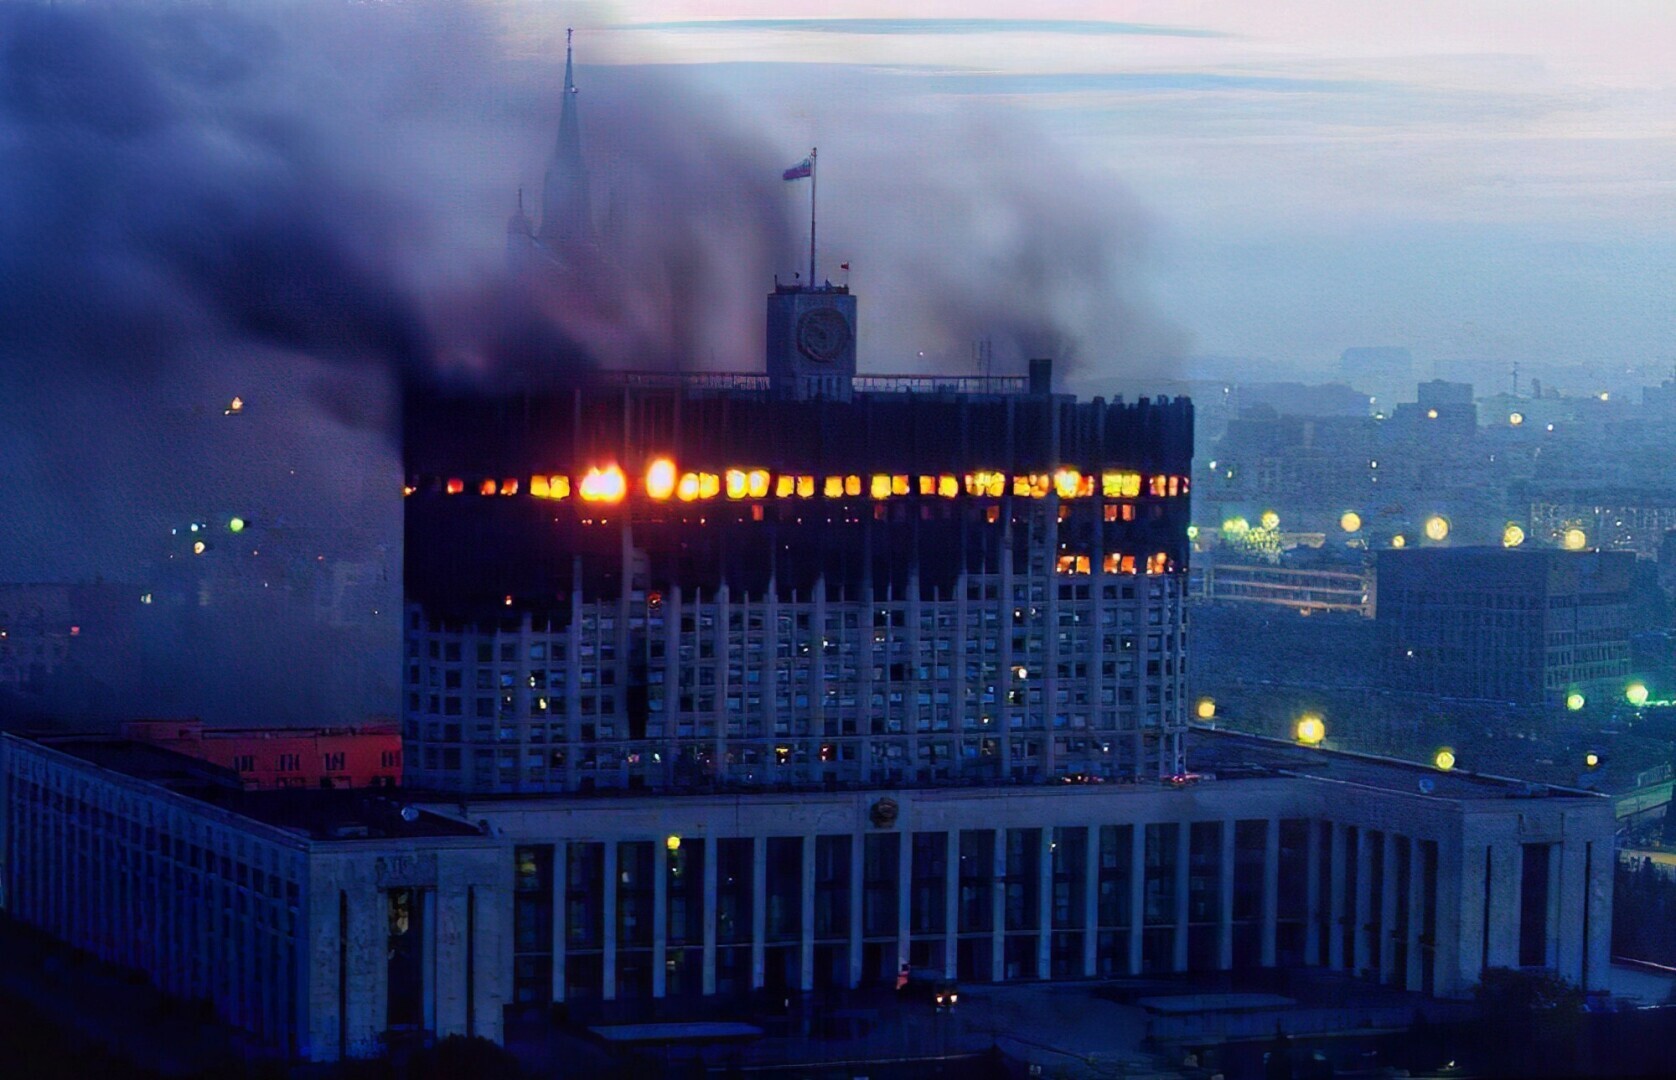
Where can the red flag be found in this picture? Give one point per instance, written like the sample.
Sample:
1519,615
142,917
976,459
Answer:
800,170
843,266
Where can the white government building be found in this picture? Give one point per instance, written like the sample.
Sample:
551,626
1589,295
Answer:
327,923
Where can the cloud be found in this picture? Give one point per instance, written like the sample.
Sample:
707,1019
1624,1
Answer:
873,27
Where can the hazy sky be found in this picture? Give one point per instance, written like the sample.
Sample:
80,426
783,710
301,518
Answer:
1480,180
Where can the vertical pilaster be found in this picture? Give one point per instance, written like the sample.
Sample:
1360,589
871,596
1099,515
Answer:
660,918
998,910
609,960
712,855
1137,895
904,896
759,909
1044,900
1335,898
1184,854
1271,893
858,871
806,932
1388,931
1225,900
951,905
1090,901
561,868
1363,911
1416,921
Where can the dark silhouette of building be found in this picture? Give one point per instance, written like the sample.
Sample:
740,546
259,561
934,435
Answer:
1521,625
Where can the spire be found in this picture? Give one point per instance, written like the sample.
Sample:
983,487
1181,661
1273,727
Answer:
566,211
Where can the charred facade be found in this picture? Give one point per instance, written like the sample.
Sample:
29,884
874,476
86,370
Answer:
684,581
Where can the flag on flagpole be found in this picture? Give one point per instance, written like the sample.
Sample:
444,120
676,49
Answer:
802,169
843,266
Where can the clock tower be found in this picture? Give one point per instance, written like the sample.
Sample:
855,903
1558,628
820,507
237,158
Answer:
811,341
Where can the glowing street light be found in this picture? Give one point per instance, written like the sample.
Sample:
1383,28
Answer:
1350,521
1444,759
1575,539
1437,527
1591,759
1271,520
1311,730
1206,708
1575,701
1636,694
1512,536
672,844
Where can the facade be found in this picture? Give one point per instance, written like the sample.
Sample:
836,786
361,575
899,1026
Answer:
264,758
325,924
802,576
1521,625
1302,589
331,923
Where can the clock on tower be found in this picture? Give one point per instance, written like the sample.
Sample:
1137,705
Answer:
811,341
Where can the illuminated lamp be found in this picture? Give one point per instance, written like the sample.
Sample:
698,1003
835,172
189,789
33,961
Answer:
1591,759
1437,527
1399,541
1516,418
661,479
198,547
238,523
1350,521
1575,701
1636,694
1192,532
1575,539
1444,759
1311,730
1270,519
1236,526
672,844
1513,535
1206,708
1431,414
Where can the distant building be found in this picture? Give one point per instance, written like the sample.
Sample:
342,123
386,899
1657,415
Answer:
331,924
72,643
282,757
1520,625
1298,588
1384,371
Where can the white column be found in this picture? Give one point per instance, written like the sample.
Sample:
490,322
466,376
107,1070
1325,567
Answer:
1225,901
609,960
561,866
998,910
759,908
1506,863
1598,941
1184,851
1312,894
1416,923
1044,901
1335,899
1388,909
904,893
1137,895
1270,916
858,869
1090,901
951,906
660,917
806,932
1364,902
712,855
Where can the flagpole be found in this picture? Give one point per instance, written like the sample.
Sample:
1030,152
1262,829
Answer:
812,182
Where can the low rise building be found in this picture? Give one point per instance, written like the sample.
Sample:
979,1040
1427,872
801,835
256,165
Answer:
328,923
281,757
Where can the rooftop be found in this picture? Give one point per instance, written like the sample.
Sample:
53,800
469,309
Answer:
330,814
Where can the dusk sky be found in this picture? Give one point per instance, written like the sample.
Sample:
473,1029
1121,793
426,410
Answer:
1490,181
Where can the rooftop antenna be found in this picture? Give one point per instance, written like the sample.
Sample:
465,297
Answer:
813,180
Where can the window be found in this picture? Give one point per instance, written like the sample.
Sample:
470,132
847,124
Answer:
334,761
290,762
245,763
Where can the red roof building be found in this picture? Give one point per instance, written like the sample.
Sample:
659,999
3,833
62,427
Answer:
267,758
